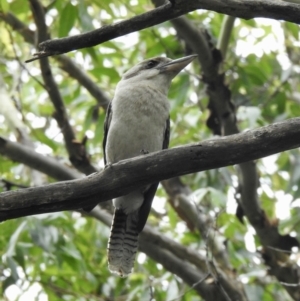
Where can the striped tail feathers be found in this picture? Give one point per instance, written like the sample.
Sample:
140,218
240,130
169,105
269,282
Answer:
123,242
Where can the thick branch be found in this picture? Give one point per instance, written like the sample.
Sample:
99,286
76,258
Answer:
122,177
246,9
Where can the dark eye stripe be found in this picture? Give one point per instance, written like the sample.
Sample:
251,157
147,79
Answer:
151,64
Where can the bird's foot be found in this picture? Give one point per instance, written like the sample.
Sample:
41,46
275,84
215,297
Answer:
144,152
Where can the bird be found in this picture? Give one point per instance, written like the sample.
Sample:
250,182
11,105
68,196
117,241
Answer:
137,122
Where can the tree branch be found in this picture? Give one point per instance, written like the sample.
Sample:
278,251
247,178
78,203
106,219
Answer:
182,261
222,111
14,122
179,198
76,72
65,62
224,37
122,177
76,149
246,9
26,155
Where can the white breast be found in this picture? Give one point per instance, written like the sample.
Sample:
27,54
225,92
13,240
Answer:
139,115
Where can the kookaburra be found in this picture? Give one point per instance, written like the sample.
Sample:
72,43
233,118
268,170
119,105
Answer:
137,122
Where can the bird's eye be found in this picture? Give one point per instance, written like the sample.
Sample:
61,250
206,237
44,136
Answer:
151,64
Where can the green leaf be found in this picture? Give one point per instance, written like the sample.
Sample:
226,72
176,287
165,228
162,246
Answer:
255,74
99,129
41,136
88,119
68,17
173,218
44,237
4,6
18,7
110,72
280,100
14,239
13,267
19,257
293,29
84,17
71,251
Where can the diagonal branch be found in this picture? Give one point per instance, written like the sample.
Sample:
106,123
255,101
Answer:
180,200
122,177
197,41
222,120
76,149
246,9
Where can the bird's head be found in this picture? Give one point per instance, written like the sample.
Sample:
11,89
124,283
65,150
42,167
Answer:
157,72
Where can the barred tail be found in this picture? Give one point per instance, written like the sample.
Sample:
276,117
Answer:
123,242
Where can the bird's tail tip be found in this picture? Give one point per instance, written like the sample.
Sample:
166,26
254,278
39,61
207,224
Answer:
123,243
120,270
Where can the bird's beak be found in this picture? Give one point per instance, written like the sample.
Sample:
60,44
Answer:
176,66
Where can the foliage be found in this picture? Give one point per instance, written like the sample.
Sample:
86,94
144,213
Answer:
62,256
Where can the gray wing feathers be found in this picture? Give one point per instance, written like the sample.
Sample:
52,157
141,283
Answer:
107,121
167,135
150,193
